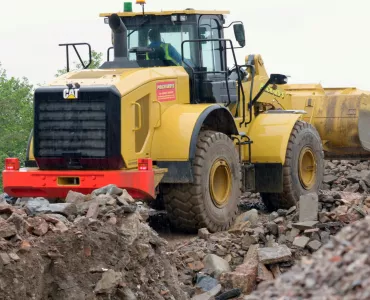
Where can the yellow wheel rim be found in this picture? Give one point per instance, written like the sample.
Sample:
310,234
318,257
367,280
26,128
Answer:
307,168
220,182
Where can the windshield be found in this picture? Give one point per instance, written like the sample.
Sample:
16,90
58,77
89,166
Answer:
155,36
166,37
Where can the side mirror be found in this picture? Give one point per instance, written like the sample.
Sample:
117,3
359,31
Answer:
274,79
278,79
239,34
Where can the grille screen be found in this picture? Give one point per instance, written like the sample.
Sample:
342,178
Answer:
83,133
72,127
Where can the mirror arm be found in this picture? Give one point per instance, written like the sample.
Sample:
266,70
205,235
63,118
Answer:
225,27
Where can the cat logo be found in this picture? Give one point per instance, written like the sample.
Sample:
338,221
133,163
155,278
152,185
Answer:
71,93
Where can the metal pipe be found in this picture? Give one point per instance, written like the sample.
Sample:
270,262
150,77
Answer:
120,37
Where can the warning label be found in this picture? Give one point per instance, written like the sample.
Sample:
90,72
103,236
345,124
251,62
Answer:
166,91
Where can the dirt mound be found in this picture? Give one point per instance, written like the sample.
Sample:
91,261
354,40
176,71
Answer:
96,247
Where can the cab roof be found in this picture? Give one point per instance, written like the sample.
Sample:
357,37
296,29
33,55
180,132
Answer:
169,12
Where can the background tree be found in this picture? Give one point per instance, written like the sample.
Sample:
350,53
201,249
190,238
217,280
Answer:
96,61
16,117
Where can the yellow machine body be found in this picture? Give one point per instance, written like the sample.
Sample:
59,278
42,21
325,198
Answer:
164,130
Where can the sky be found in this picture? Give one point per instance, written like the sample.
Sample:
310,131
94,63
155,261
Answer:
312,41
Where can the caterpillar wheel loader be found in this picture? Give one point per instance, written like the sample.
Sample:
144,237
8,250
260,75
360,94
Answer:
191,131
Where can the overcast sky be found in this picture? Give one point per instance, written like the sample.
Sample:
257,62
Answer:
313,41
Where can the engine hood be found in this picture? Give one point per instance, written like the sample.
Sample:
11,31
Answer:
125,80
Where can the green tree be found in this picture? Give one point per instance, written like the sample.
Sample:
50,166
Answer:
16,117
96,61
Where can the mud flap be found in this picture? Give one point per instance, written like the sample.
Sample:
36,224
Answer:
364,122
269,178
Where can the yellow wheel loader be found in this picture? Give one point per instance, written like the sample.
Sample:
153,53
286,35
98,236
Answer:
171,117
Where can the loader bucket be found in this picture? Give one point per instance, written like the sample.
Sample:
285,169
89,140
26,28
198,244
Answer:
342,119
364,122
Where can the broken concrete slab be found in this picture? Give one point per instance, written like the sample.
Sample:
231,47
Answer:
305,225
108,282
291,210
328,179
293,233
308,207
245,220
14,256
272,255
275,270
42,206
216,265
54,218
244,277
110,189
74,197
4,258
93,210
252,253
263,274
301,241
125,198
314,245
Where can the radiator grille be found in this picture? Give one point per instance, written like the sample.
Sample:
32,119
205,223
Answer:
72,128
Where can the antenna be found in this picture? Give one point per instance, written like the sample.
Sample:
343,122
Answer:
142,3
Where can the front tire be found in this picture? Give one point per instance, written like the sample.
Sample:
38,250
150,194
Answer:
303,170
211,201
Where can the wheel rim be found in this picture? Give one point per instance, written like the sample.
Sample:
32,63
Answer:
220,182
307,168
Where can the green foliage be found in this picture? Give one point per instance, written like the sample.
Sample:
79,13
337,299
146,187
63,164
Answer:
16,117
96,61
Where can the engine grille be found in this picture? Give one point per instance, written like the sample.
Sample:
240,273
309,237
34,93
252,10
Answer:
72,128
79,133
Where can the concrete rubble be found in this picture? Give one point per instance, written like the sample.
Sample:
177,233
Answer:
96,246
116,255
279,240
339,270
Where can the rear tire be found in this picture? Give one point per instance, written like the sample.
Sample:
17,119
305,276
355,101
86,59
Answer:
303,170
211,201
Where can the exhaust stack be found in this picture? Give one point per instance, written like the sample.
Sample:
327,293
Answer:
120,37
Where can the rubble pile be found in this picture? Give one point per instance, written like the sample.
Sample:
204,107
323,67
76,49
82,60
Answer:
97,246
260,247
339,270
347,175
100,246
351,176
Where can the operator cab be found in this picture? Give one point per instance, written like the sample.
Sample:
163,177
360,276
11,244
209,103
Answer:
189,38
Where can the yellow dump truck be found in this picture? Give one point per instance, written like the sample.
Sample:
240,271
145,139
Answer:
170,117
